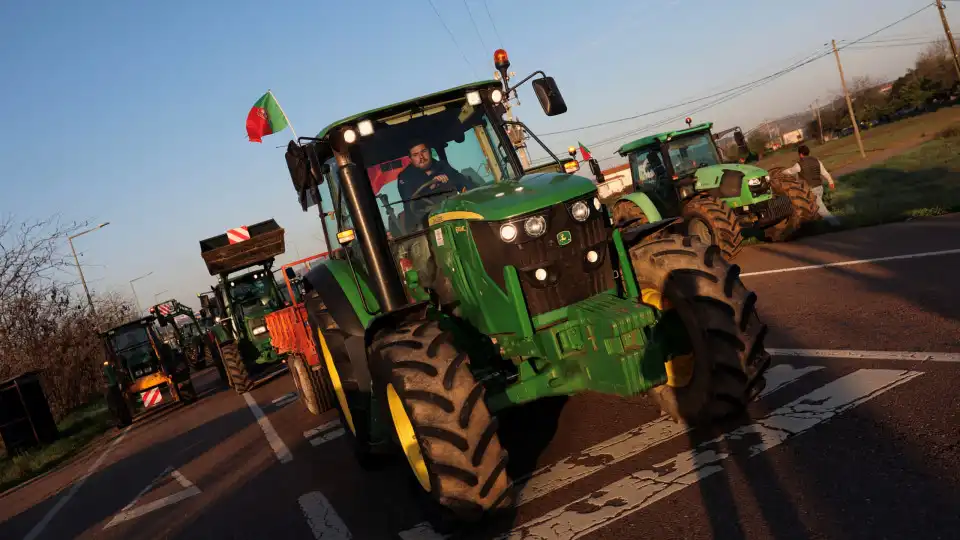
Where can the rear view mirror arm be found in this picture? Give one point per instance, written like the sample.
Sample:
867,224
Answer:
527,78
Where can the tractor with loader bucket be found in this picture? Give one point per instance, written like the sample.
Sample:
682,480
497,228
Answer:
141,371
466,287
245,293
188,336
682,173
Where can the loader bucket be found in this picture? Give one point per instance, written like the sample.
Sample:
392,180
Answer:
222,257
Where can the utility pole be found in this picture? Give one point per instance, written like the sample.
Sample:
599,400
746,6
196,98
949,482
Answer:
76,260
846,93
946,30
816,116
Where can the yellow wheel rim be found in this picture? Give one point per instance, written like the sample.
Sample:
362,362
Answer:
680,370
408,437
652,297
335,380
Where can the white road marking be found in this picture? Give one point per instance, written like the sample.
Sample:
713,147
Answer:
851,263
642,488
321,428
284,399
128,512
42,524
869,355
422,531
279,448
327,437
631,443
324,521
622,447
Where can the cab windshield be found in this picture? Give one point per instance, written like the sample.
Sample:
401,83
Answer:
692,152
254,291
418,158
132,346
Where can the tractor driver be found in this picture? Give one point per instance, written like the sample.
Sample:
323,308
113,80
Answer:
426,176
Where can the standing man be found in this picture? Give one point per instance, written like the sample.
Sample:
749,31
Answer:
812,172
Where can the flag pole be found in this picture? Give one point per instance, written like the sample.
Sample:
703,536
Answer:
285,117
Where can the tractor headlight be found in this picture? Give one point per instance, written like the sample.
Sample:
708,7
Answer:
473,98
580,211
754,182
496,95
596,204
365,128
349,136
259,330
535,226
508,232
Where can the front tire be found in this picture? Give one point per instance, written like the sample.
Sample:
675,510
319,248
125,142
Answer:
300,372
441,420
118,407
713,222
691,279
236,370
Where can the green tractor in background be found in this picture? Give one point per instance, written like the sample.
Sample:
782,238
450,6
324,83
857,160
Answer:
245,293
452,299
188,336
682,173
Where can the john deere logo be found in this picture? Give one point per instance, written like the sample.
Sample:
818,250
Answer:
564,238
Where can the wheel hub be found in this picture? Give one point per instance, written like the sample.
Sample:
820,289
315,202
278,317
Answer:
408,437
680,370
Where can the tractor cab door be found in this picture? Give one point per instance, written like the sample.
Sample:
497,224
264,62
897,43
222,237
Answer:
651,175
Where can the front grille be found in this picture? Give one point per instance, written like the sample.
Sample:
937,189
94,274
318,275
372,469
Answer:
570,277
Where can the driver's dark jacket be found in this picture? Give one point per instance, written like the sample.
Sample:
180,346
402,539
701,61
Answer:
412,178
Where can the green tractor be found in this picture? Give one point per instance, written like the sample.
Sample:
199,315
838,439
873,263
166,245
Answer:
466,287
245,293
188,336
682,173
141,371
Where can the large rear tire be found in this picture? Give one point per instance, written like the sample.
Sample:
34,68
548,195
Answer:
802,201
236,370
693,281
714,223
188,393
118,407
441,420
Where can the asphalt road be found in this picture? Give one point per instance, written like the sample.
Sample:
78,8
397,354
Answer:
841,445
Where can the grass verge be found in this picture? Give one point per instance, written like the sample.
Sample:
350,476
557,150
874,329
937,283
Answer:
77,429
921,182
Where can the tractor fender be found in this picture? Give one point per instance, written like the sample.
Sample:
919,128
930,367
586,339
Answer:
646,205
333,280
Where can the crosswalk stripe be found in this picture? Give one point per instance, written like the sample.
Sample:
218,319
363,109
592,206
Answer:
642,488
622,447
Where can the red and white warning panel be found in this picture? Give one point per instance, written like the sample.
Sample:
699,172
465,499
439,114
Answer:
238,234
151,397
165,309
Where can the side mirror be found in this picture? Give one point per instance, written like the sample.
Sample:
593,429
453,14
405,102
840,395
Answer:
595,169
549,95
291,274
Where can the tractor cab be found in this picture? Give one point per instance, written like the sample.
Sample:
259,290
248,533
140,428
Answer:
141,370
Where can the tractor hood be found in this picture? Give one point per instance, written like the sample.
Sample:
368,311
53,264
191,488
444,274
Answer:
512,198
709,177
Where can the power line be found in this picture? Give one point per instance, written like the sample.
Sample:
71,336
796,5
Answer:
453,38
493,24
890,46
475,27
894,23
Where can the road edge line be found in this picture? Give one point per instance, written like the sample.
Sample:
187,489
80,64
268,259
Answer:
851,263
273,439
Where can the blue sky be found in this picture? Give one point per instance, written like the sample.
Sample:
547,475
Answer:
135,114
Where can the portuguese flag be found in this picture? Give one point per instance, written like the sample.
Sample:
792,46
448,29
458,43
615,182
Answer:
585,152
265,118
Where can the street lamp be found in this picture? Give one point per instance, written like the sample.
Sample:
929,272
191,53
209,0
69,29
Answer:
135,297
93,310
158,294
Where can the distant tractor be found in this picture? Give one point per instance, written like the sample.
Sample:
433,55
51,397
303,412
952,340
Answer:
468,286
245,293
142,372
188,335
682,173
